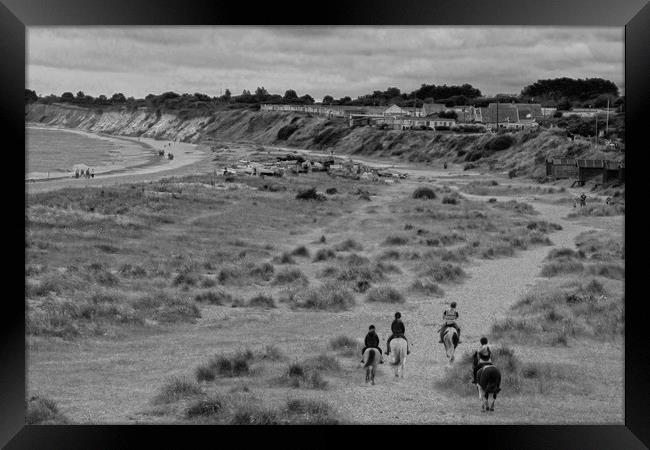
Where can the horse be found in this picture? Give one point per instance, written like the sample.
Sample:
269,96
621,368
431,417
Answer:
450,339
398,349
371,358
489,382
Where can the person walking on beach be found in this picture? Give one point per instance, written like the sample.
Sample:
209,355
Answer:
92,173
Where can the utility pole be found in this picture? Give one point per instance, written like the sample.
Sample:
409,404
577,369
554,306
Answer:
607,120
596,140
497,115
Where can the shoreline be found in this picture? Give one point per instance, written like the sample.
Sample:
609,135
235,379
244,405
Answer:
185,155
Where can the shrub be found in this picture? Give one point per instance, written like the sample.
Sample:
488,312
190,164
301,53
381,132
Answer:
251,415
301,251
390,254
273,353
328,296
324,254
501,142
384,294
285,258
262,301
213,297
264,271
427,287
302,375
450,200
312,412
396,240
518,207
424,193
613,271
347,245
323,362
43,410
291,276
310,194
176,389
166,308
331,191
442,272
185,279
286,131
204,408
345,345
561,267
564,254
127,270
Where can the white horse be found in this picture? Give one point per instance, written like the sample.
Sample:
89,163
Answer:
450,339
370,359
398,350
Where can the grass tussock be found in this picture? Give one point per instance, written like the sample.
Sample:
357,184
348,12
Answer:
384,294
232,365
261,301
301,251
517,377
442,272
425,193
284,258
176,389
345,345
42,410
428,287
302,375
396,240
324,254
216,297
327,297
561,267
517,207
293,276
603,210
348,245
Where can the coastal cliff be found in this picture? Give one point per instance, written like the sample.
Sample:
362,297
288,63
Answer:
523,152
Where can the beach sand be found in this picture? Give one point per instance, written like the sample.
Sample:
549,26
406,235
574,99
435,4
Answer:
188,158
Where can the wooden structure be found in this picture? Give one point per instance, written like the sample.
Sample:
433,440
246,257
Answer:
585,169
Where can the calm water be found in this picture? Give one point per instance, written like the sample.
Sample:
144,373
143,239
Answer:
57,151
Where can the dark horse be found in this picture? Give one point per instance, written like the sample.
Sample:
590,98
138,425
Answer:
370,359
489,382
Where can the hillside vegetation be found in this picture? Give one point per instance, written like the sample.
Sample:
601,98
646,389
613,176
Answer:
523,153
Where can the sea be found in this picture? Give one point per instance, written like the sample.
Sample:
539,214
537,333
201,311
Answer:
54,152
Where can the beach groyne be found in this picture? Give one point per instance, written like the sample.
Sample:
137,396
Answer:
526,152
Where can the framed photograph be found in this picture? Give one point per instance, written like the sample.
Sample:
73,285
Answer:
364,214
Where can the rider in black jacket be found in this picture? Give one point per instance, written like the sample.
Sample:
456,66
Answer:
371,341
398,329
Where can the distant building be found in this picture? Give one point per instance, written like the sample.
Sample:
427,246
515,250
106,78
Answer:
429,109
394,110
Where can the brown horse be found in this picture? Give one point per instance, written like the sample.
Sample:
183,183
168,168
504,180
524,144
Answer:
371,358
489,382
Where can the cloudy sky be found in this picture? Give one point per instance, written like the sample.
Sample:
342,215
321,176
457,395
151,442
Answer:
315,60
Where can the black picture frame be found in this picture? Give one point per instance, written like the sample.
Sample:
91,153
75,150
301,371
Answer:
15,15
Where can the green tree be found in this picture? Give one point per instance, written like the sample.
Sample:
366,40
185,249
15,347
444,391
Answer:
328,100
30,96
290,96
67,97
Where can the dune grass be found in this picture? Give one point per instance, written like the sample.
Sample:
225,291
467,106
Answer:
41,410
384,294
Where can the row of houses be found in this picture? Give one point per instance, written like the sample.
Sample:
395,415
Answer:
495,115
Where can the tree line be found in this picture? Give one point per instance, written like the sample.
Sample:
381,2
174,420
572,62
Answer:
563,93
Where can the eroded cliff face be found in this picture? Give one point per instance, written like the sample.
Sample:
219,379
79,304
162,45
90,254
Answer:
526,154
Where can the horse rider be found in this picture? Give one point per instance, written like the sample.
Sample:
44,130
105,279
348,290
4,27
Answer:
372,341
397,328
482,357
449,317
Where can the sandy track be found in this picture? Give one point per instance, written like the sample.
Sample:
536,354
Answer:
126,372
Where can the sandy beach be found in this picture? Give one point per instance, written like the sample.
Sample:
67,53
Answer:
188,158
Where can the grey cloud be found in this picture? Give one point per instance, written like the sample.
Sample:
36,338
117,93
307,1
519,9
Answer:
317,60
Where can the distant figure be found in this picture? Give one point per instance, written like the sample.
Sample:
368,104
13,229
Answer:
445,165
170,155
608,201
76,173
92,173
88,172
583,200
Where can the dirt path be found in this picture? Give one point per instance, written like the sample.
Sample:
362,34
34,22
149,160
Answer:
122,375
